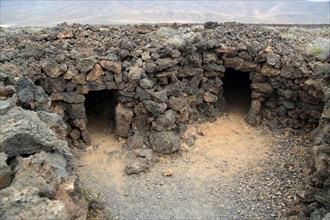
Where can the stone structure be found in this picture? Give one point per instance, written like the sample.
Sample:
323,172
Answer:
167,77
164,82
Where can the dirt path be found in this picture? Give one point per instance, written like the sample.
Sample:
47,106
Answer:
234,171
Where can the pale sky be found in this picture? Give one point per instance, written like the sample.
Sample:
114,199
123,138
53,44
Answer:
52,12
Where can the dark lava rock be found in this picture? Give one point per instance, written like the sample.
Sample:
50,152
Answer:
22,132
136,166
165,142
85,65
31,96
52,68
155,108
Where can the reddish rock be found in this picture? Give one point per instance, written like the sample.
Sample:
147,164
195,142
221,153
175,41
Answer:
79,79
52,68
111,65
209,97
65,34
262,87
123,120
269,71
240,64
95,73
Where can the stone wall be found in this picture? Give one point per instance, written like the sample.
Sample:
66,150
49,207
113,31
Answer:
317,196
169,76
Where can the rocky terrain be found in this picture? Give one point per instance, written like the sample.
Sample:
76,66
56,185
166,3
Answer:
161,80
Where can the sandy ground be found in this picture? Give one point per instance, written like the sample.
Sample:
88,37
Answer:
233,171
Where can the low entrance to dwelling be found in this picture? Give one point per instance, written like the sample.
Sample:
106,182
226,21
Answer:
237,91
101,111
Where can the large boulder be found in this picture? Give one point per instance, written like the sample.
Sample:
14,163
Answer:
165,142
22,132
34,190
54,122
25,203
35,171
31,96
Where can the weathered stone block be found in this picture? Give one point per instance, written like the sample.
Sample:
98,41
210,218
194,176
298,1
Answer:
177,103
253,117
137,165
165,63
165,142
269,71
239,64
134,142
86,64
95,73
262,87
69,97
155,108
209,97
22,132
53,85
31,206
167,119
135,73
52,68
254,49
123,120
114,66
76,111
31,96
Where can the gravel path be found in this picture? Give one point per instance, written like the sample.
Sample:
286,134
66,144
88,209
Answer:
234,171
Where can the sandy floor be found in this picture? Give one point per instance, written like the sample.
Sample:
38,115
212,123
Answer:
229,173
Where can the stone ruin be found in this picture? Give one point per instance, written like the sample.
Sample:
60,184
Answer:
149,82
156,91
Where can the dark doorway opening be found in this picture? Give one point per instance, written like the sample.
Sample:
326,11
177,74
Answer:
100,111
237,91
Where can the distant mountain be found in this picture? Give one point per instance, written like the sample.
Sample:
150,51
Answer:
46,13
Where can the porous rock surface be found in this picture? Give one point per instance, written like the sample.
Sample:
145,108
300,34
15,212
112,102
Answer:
37,180
22,132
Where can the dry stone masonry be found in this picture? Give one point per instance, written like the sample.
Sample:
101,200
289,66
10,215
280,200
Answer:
164,78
